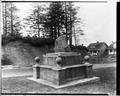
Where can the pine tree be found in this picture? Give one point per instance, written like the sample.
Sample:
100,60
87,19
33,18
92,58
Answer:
11,22
70,20
36,19
55,19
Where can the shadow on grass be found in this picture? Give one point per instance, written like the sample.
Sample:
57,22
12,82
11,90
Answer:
106,74
107,83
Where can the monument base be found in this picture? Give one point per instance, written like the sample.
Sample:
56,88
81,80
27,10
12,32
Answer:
72,83
63,76
63,69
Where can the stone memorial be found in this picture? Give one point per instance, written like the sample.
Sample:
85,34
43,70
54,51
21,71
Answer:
61,44
62,69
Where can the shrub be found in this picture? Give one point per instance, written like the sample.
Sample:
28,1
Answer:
36,41
5,60
10,38
80,49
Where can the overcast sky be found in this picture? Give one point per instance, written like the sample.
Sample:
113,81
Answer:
99,20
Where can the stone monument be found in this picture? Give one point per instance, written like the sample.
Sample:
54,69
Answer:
61,44
62,69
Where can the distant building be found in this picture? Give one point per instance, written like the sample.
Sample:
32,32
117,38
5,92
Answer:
112,49
98,48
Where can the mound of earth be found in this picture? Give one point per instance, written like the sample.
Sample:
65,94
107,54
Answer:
22,54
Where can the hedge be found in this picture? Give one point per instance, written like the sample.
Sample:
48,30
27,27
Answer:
36,41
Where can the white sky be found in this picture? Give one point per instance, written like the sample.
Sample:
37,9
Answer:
99,20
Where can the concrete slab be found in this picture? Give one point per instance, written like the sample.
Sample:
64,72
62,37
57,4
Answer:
72,83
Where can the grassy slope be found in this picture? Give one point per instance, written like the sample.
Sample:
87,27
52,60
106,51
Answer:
21,54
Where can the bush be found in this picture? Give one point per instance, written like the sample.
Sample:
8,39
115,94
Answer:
10,38
80,49
5,60
36,41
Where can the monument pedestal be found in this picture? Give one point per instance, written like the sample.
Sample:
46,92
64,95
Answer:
36,71
68,71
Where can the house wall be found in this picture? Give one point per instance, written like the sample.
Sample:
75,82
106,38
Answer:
102,50
112,52
94,53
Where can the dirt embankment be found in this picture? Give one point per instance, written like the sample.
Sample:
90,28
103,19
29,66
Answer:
22,54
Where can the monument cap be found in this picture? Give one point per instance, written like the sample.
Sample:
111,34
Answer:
37,59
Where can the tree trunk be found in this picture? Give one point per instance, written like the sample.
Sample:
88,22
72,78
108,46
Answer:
5,20
58,29
38,31
38,23
66,23
55,33
11,20
75,36
70,28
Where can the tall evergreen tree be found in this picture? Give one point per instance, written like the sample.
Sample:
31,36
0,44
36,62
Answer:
36,19
11,22
55,19
70,20
61,18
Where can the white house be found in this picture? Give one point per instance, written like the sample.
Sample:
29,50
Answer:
112,49
98,48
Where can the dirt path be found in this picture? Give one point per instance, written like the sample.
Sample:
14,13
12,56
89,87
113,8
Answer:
96,66
27,71
16,72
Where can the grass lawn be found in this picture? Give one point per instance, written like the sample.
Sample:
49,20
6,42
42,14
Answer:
107,84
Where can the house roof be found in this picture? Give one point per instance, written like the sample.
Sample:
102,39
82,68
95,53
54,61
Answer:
112,46
96,46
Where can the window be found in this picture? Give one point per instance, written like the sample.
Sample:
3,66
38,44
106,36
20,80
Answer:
110,50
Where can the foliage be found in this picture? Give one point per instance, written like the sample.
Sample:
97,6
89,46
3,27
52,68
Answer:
70,18
80,49
11,22
5,60
60,19
10,38
44,21
36,41
36,19
54,19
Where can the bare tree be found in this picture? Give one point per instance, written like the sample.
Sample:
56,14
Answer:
11,22
36,19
